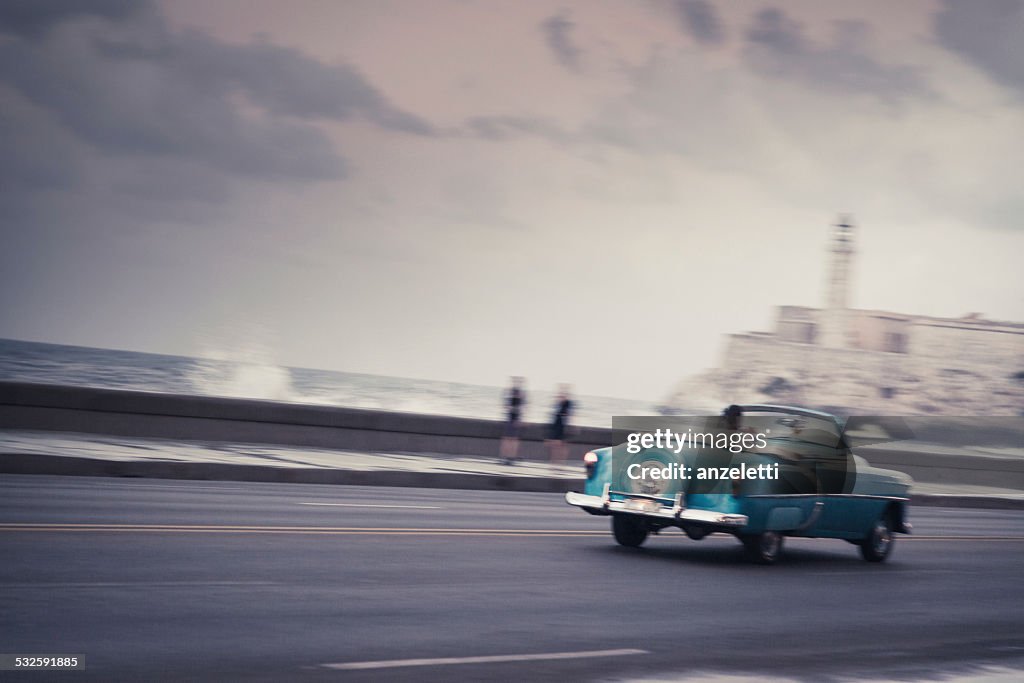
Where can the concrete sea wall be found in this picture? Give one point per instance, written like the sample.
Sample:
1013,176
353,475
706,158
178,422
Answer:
203,418
25,406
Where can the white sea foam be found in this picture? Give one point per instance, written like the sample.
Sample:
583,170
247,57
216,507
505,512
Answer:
241,372
249,369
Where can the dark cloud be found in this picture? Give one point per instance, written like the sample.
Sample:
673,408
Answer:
700,20
987,33
778,47
281,80
32,18
154,110
557,31
35,154
121,113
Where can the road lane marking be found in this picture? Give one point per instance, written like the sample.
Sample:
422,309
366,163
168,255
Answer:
962,538
356,530
488,659
311,533
89,525
122,485
130,584
376,505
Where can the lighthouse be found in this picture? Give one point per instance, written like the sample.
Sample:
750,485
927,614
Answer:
834,325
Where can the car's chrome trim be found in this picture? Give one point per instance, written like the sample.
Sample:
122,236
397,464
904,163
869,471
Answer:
787,410
811,518
645,496
674,513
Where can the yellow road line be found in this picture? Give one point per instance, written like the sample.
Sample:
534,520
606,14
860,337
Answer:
232,527
308,533
962,538
354,530
369,531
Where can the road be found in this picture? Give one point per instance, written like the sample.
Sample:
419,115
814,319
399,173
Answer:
170,580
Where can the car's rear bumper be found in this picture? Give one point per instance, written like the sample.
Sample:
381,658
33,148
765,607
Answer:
652,509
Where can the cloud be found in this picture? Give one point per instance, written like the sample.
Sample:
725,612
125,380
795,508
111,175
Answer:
32,18
127,115
988,34
700,20
777,47
280,80
557,31
35,155
167,94
500,128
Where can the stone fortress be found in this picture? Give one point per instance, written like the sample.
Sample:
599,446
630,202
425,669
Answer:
848,360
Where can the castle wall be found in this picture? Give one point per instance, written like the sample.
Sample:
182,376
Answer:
797,332
764,368
880,332
809,374
965,344
797,324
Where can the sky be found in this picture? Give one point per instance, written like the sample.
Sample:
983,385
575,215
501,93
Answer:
590,192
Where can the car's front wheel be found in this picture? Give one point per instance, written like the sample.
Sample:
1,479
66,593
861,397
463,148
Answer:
629,531
878,544
763,548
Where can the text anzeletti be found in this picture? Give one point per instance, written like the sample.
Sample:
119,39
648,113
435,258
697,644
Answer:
677,471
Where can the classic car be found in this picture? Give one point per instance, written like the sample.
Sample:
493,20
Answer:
811,484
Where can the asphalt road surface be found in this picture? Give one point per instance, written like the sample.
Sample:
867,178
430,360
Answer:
171,580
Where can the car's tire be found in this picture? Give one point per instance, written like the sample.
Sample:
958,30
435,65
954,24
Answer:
763,548
629,531
877,546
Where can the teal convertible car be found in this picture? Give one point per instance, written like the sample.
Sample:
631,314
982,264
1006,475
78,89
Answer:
760,473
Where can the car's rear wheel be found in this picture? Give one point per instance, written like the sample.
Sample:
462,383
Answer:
763,548
878,544
629,531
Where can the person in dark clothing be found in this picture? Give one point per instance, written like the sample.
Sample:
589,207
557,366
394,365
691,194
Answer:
515,402
558,451
731,416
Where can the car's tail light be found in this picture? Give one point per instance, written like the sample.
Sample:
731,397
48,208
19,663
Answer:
590,458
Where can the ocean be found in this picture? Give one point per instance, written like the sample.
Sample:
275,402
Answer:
22,361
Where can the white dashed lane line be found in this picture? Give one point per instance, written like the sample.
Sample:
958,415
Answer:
375,505
488,659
